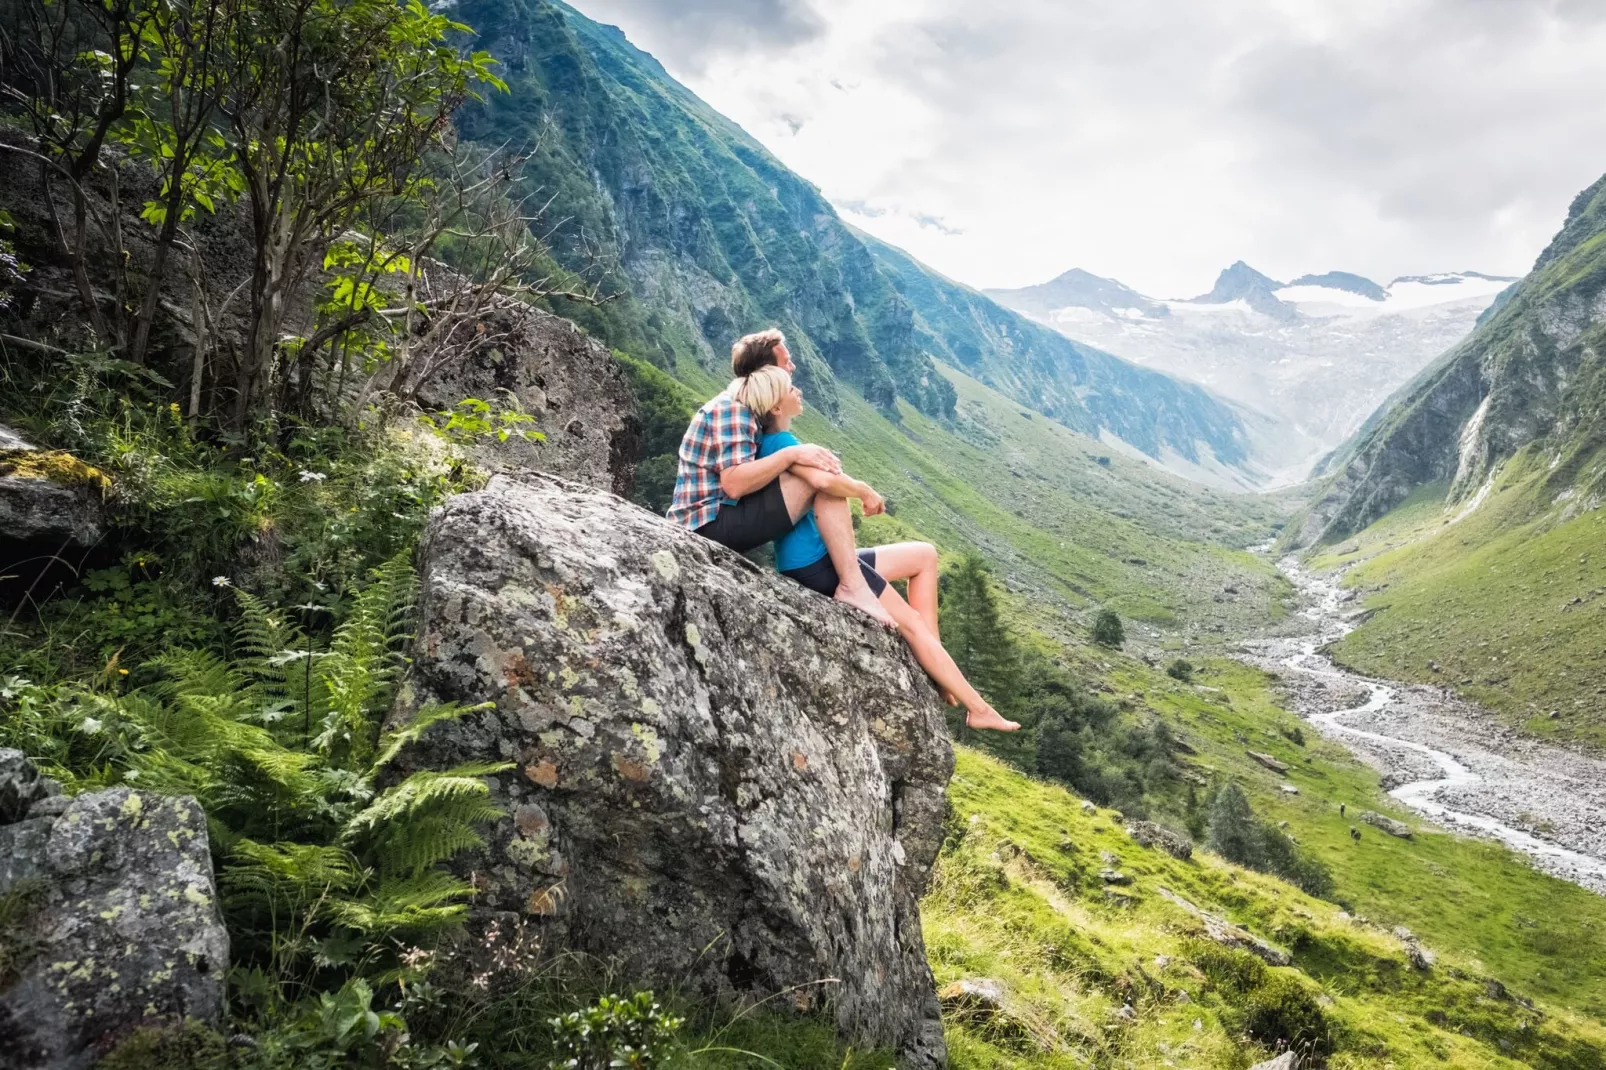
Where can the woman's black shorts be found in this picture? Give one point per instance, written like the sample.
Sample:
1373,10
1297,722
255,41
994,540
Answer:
821,576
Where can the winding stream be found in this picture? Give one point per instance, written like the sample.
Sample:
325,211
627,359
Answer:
1541,800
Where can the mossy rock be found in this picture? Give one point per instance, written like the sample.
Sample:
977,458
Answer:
55,466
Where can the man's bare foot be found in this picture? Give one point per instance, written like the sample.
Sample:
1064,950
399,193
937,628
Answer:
987,717
862,598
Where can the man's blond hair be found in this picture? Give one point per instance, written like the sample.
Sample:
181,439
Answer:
761,391
754,351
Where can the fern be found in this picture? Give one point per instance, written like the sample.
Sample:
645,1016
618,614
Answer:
421,793
425,719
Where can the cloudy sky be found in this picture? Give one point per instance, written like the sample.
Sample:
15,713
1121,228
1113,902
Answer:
1156,141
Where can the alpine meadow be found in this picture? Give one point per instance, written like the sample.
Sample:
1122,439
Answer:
435,437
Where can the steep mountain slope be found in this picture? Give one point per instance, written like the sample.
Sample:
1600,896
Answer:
1468,510
1084,388
707,235
1530,378
1312,358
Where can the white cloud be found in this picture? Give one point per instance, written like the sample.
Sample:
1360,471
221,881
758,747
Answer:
1157,141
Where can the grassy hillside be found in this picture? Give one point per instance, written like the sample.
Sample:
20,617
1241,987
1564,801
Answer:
1508,601
1095,974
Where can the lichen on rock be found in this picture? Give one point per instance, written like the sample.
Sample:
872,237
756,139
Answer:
723,781
120,928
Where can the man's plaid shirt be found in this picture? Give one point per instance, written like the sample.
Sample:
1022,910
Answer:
722,435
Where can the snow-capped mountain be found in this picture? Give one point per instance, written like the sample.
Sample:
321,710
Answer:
1314,356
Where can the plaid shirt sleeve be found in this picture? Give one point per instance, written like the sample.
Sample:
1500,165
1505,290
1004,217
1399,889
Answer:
722,434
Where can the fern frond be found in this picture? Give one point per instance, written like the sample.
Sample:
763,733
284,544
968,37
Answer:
286,875
424,903
421,791
393,741
261,633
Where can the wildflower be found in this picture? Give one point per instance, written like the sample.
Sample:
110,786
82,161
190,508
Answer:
89,726
122,672
308,476
220,581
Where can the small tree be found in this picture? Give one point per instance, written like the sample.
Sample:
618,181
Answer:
1107,629
1180,669
974,632
1234,833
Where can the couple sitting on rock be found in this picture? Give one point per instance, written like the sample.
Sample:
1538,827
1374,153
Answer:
745,480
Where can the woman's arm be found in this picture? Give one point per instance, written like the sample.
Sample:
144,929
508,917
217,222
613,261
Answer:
842,485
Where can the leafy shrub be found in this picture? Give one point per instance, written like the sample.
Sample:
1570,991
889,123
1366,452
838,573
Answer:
1107,629
1284,1015
1180,669
631,1032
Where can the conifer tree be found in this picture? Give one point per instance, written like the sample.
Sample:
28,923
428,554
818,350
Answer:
975,634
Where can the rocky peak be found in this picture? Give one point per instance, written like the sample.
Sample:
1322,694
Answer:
721,781
1242,282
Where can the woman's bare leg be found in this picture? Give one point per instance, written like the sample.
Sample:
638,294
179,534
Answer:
835,521
917,563
939,665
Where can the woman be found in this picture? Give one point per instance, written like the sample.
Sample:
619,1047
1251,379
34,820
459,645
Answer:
800,554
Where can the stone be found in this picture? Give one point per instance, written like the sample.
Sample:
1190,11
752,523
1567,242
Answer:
723,782
563,378
1286,1061
983,1004
117,924
1114,876
48,499
21,786
1149,834
1387,824
1268,761
1227,934
1289,789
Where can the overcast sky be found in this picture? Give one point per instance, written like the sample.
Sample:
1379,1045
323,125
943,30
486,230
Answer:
1156,141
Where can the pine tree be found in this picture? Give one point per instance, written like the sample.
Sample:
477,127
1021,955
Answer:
974,633
1234,832
1107,629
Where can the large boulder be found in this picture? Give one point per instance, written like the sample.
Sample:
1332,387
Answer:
112,919
722,781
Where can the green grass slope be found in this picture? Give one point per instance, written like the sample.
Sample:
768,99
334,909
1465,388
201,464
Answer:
1506,605
1120,975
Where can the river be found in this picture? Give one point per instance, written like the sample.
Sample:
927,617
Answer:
1445,758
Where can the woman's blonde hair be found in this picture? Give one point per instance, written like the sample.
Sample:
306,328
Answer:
761,390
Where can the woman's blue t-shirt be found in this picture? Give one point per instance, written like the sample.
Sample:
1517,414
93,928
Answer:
802,545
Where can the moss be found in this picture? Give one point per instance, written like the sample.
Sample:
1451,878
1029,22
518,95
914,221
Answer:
57,466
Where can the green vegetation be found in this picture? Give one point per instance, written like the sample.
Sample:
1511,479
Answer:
1118,975
1237,835
1501,604
1107,629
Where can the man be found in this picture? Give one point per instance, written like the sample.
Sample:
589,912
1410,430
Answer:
725,492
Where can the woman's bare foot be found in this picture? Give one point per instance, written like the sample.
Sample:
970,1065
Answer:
987,717
949,697
862,598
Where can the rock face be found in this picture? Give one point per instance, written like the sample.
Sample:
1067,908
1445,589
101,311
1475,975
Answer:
723,781
563,378
1148,834
47,499
116,923
1528,374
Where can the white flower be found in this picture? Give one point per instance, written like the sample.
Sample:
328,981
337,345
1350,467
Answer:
89,726
220,581
313,477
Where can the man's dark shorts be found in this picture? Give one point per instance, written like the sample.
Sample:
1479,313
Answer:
752,521
821,576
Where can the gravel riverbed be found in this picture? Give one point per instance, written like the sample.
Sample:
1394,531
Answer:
1448,759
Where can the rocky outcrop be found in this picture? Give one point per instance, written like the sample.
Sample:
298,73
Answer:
47,499
1219,929
112,920
723,782
1394,828
1148,834
563,378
